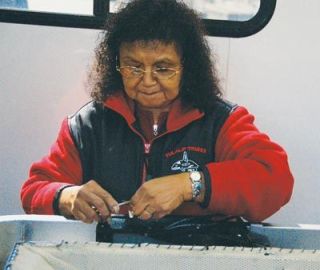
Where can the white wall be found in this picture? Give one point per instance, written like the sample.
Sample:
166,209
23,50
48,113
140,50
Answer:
42,74
273,73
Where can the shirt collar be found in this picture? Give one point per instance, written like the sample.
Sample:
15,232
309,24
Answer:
178,117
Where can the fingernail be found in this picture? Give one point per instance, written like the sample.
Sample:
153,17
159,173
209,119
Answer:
108,220
130,213
116,209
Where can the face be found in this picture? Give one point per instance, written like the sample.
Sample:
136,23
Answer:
148,91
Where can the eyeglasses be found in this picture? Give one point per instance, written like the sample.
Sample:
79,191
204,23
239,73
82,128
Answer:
162,73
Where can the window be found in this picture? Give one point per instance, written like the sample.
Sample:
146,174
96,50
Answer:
57,6
229,18
228,10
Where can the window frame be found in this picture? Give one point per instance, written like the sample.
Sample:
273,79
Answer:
218,28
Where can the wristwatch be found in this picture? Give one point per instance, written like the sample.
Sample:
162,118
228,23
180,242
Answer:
196,184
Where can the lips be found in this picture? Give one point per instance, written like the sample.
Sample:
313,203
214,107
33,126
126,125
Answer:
150,93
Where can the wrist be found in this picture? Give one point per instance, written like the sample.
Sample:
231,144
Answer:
63,201
187,194
56,200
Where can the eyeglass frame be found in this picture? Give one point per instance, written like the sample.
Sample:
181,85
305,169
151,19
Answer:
153,71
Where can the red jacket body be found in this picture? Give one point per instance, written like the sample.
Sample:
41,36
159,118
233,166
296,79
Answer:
247,174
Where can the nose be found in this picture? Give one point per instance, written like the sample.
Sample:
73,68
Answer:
148,78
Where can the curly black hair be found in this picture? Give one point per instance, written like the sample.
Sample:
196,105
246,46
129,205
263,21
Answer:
167,21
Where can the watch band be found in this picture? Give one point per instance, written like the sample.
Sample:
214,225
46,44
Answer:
196,183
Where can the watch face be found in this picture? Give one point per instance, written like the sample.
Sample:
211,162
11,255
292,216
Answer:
195,176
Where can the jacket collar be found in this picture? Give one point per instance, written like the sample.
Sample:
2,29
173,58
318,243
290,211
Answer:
119,103
178,117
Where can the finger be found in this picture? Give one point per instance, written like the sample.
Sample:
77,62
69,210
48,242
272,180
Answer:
111,203
101,218
158,216
147,213
138,208
91,213
139,202
93,200
106,197
85,208
79,215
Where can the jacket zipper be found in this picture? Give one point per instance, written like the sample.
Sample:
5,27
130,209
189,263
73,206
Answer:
147,147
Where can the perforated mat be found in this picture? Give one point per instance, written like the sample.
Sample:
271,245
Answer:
69,256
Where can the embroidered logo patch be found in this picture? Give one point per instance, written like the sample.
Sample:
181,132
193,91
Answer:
185,164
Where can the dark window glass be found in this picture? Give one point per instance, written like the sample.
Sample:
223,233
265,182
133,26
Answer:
227,18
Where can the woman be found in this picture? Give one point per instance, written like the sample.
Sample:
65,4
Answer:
158,133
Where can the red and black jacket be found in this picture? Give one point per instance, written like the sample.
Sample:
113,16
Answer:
246,174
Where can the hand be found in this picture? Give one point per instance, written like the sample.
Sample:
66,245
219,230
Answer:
158,197
88,202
